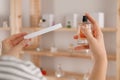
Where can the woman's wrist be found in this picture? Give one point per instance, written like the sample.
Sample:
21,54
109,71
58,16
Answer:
101,59
10,54
102,56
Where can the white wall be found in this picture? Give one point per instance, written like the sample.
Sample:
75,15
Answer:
62,7
47,6
63,39
4,7
26,12
4,11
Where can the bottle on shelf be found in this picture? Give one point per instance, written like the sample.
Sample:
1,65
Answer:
69,24
4,21
44,72
53,49
5,24
42,22
38,49
86,76
59,72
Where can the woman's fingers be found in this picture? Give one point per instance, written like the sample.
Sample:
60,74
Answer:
81,47
22,44
17,41
91,19
95,26
87,33
15,36
75,36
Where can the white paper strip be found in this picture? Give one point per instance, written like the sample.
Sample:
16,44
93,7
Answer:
43,31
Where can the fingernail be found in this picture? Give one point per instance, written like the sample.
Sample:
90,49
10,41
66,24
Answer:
26,45
26,41
30,39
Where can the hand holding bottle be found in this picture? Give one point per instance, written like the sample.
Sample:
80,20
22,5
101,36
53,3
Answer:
95,39
96,44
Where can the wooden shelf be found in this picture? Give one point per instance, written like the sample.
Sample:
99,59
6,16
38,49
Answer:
67,29
68,75
107,29
103,29
80,78
65,54
4,28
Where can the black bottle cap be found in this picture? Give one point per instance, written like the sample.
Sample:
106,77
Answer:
85,19
43,20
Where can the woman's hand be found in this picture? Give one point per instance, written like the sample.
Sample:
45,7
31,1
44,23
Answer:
14,44
95,39
96,44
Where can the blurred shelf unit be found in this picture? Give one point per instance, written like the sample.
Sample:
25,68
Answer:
68,75
35,14
62,29
107,29
110,56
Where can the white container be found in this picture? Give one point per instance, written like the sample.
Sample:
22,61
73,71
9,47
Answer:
59,71
5,24
49,20
73,19
53,49
99,17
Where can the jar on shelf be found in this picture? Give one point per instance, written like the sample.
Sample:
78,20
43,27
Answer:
69,24
59,72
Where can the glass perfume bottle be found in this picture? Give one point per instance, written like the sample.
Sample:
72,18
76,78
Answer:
69,24
81,37
59,72
5,24
86,76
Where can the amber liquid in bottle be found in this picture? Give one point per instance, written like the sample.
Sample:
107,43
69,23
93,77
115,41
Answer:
85,24
81,37
82,40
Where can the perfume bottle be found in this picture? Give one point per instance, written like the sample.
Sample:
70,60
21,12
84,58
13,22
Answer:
59,72
82,40
69,24
86,76
5,24
81,37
